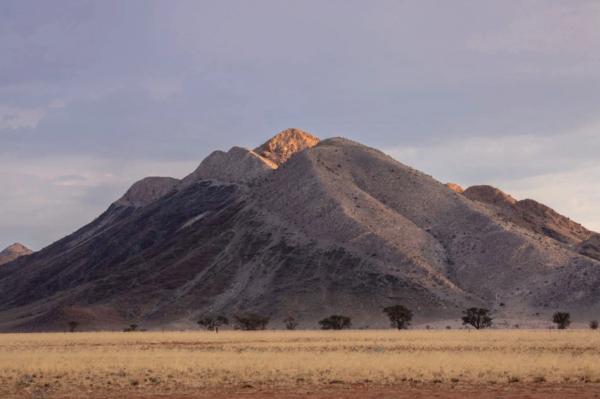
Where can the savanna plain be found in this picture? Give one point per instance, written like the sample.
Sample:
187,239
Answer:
324,364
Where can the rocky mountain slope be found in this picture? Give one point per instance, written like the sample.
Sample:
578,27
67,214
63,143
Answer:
13,252
299,227
535,217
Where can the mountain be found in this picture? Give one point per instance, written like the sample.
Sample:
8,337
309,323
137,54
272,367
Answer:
590,247
532,216
13,252
303,227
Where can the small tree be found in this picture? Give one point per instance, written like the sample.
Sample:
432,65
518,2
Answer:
594,324
562,320
477,317
400,316
335,322
133,327
72,325
251,321
211,322
290,323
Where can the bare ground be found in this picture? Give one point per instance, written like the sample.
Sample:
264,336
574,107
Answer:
350,391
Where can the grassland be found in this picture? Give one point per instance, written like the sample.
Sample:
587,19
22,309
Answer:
92,362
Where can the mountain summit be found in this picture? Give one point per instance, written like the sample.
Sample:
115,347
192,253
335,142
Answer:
307,228
281,147
13,252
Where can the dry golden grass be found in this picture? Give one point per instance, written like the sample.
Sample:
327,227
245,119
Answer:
193,359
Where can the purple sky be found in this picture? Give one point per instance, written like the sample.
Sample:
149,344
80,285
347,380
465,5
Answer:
95,95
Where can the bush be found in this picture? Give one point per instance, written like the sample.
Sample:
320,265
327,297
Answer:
594,324
251,321
477,317
400,316
72,325
562,320
211,322
290,323
336,322
132,327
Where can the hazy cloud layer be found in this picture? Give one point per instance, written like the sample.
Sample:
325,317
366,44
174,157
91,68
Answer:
506,93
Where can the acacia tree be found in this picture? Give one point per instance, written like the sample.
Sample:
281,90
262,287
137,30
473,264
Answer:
336,322
399,315
562,320
72,325
251,321
211,322
594,324
477,317
290,323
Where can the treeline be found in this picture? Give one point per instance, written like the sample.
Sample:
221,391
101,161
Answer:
400,318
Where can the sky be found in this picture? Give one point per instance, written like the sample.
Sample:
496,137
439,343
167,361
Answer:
95,95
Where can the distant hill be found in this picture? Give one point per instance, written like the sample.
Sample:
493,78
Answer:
13,252
307,228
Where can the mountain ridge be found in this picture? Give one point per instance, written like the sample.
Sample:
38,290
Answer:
336,227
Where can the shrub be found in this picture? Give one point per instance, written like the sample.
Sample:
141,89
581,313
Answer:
336,322
132,327
594,324
400,316
212,322
477,317
251,321
562,320
72,325
290,323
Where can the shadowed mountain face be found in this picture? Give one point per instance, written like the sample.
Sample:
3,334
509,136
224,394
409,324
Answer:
13,252
301,227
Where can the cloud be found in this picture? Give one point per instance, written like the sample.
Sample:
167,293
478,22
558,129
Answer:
70,178
15,118
548,29
470,91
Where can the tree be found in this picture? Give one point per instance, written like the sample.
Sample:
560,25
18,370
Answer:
400,316
290,323
562,320
336,322
477,317
133,327
211,322
594,324
72,325
251,321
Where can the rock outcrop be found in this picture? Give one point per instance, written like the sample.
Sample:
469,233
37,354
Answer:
455,187
281,147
